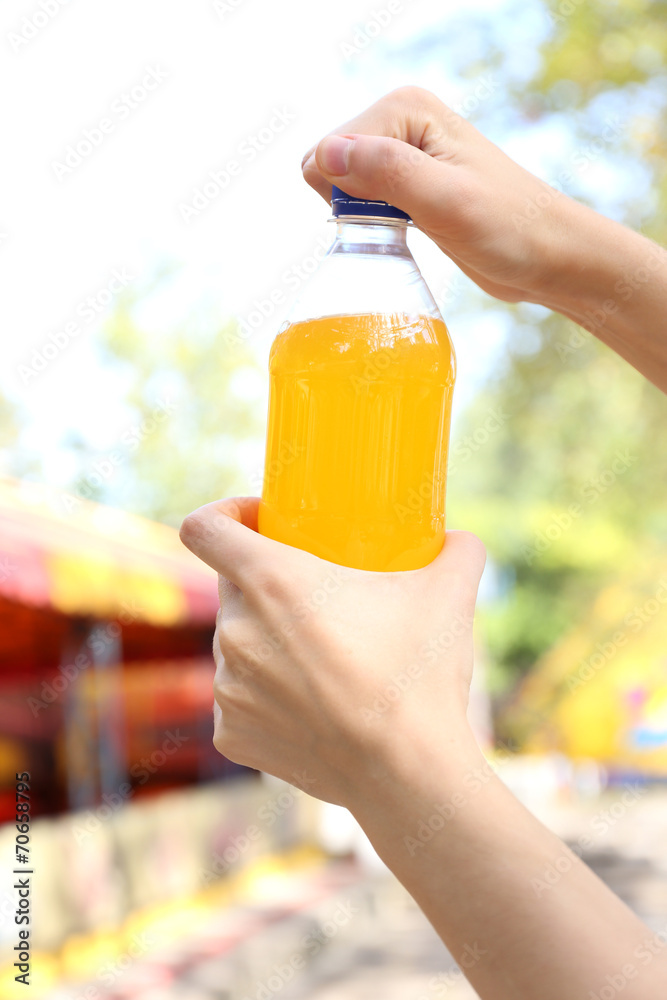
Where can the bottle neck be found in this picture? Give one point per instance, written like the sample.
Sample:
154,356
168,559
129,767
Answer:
361,236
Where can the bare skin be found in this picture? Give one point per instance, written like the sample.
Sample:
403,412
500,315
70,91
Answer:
516,237
305,648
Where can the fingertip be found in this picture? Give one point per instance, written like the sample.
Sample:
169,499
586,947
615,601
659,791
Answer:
314,178
463,553
204,524
191,530
468,542
468,548
384,168
307,156
333,155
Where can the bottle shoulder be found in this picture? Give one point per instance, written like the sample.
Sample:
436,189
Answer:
364,284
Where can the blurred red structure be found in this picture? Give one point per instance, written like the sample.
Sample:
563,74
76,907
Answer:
106,623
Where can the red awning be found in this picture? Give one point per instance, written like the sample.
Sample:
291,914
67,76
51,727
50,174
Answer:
85,559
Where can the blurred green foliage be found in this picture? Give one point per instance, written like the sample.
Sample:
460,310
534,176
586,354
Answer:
567,492
603,43
615,48
573,407
192,400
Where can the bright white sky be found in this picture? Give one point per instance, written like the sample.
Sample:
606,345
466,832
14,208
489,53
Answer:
225,73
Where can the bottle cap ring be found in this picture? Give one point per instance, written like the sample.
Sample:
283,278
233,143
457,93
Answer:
344,205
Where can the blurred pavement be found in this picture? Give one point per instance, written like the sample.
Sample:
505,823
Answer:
339,930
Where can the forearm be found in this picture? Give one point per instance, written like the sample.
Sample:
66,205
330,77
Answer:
613,282
476,862
472,857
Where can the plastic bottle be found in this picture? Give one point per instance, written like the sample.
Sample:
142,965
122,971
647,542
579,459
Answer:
361,382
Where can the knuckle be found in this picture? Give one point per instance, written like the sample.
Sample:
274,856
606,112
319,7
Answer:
236,643
221,687
229,636
231,746
228,711
225,744
398,162
271,585
412,95
445,124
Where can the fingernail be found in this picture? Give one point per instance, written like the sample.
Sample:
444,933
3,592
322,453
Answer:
307,157
333,154
307,162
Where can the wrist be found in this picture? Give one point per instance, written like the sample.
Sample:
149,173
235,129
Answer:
608,280
586,256
560,250
417,766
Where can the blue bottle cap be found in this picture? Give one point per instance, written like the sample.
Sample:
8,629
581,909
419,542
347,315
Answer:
346,205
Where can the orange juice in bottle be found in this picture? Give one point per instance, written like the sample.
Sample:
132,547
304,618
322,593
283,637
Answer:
361,381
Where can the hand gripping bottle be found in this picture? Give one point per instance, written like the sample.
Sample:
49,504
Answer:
361,382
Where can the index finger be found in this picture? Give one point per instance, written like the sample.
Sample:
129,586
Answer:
411,114
224,535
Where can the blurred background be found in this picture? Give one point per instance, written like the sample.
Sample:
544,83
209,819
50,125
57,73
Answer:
143,283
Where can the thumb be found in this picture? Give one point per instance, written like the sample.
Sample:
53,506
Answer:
224,535
386,169
458,567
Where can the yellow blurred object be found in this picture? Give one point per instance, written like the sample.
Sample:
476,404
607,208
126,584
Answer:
44,975
601,693
155,927
84,954
95,584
